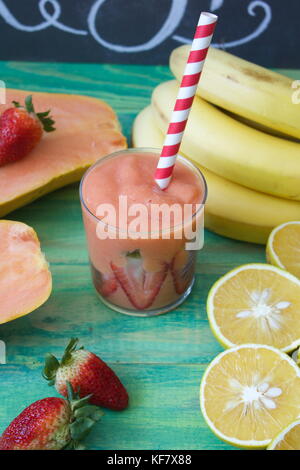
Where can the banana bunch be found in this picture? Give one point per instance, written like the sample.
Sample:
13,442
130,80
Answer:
262,97
231,149
253,176
231,210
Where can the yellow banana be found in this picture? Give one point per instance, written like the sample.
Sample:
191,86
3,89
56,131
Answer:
246,89
231,149
231,210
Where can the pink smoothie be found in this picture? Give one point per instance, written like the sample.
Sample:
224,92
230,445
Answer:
143,273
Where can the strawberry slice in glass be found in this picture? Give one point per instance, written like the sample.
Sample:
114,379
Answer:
140,286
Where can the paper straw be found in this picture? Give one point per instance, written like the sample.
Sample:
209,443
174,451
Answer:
184,101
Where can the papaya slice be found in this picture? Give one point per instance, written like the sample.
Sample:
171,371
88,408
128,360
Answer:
25,278
86,129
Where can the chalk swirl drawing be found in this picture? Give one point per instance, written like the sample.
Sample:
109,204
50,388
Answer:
171,23
50,19
216,4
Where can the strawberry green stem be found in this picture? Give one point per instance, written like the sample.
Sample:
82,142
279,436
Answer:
45,119
52,363
84,416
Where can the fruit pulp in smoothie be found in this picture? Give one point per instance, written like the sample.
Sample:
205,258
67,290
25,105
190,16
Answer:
151,270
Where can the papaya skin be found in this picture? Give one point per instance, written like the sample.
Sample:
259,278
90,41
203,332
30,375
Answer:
31,283
86,130
30,196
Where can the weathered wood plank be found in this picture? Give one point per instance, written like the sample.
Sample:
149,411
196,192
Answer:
160,359
74,309
163,414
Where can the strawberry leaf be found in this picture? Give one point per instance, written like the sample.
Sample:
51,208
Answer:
52,364
89,410
78,446
84,417
29,105
71,394
46,121
50,368
80,428
71,347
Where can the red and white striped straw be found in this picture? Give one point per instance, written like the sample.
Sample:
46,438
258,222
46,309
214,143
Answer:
185,98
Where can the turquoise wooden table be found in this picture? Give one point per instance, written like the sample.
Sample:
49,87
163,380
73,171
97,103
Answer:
160,360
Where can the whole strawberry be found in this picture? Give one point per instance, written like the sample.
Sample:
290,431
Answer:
21,128
88,375
51,424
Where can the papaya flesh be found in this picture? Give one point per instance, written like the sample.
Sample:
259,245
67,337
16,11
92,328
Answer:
25,278
86,130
